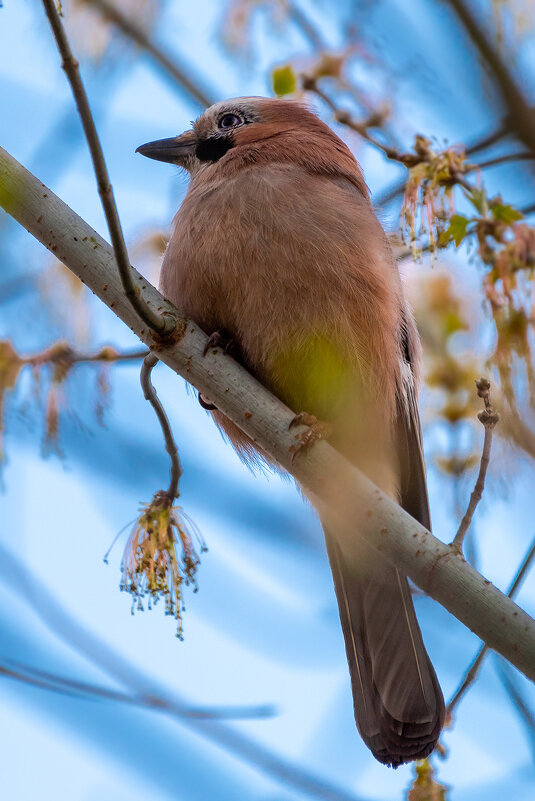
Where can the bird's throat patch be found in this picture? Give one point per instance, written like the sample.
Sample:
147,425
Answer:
214,148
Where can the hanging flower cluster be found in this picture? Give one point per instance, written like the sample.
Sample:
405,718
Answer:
160,557
429,202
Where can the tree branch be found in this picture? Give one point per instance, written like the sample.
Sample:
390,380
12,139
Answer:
348,502
157,322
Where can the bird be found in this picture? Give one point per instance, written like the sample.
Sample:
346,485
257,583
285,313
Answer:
277,253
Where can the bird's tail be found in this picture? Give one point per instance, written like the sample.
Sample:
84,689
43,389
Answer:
399,707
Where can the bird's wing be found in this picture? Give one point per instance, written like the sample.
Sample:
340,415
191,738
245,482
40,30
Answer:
408,433
399,708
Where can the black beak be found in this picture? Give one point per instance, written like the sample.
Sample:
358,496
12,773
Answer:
175,150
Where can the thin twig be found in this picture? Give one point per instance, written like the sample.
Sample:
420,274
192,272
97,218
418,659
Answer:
170,445
61,352
473,670
179,73
344,117
161,323
81,689
489,418
502,131
458,178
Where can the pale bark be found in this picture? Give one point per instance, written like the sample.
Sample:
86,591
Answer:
352,506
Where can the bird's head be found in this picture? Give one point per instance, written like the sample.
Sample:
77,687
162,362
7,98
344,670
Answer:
247,130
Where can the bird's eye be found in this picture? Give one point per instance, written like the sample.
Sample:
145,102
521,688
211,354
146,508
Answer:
229,121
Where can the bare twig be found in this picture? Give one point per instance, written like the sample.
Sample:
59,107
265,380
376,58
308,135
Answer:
344,117
63,684
508,157
486,141
170,446
472,672
161,323
169,63
458,178
489,418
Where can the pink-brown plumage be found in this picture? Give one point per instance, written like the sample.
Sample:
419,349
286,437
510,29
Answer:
277,245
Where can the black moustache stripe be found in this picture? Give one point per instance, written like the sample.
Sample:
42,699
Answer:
214,148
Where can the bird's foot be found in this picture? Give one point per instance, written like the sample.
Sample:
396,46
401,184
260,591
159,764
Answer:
220,339
315,431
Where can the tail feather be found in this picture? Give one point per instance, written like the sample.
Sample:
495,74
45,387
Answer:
399,708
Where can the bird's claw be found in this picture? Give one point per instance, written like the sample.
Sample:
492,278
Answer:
220,339
315,431
217,339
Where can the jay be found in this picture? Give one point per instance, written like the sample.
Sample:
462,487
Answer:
277,249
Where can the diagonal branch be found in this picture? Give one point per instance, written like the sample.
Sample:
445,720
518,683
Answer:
347,500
